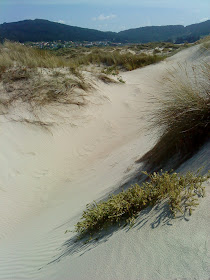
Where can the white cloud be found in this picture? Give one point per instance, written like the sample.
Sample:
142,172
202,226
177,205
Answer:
203,19
103,17
61,21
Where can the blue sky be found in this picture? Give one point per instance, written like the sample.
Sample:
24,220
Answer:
112,15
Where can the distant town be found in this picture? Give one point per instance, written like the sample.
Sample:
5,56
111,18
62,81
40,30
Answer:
70,44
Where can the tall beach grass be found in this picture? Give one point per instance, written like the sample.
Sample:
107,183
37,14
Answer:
182,116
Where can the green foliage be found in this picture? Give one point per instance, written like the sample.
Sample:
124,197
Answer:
180,191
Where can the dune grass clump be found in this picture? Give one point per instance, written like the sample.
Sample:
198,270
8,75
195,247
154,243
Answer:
39,91
182,116
180,191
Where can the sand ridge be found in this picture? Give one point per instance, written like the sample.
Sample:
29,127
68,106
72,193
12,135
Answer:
49,176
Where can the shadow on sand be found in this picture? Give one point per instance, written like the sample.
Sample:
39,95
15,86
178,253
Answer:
151,217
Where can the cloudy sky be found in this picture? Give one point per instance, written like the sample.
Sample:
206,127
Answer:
112,15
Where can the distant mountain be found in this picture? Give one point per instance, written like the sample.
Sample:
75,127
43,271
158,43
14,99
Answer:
152,33
165,33
44,30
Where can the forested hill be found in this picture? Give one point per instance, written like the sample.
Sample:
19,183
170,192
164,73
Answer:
164,33
44,30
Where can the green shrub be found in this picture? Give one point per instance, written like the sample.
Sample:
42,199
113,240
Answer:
180,191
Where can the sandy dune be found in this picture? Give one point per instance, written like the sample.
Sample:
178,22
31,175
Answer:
47,178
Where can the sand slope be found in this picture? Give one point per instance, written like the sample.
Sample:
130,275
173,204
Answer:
47,178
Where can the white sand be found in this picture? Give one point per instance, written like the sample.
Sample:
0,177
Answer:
47,178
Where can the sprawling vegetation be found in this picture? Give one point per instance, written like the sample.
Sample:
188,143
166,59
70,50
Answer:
181,192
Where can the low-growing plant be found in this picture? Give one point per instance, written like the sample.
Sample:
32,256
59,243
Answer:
181,192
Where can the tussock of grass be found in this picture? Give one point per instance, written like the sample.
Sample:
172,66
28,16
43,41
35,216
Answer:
183,116
40,91
180,191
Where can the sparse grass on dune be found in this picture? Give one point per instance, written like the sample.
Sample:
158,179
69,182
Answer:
125,61
15,54
205,42
38,78
206,45
181,192
40,91
182,116
22,80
